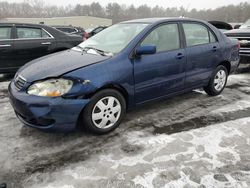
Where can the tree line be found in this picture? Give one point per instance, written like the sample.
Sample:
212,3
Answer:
117,12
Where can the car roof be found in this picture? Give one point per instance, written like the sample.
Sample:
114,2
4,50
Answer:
163,19
23,24
66,26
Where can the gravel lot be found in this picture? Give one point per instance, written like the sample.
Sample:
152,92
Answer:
187,141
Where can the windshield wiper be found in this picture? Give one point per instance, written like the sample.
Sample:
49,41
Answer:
101,52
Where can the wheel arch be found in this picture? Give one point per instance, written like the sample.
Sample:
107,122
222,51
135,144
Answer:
226,64
116,87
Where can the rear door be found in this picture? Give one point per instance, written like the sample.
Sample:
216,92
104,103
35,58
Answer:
7,56
32,43
162,73
203,52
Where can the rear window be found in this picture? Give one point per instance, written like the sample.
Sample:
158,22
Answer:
66,29
97,30
5,33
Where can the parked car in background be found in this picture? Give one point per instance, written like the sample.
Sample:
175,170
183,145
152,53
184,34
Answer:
236,25
127,64
93,31
246,25
243,35
21,43
71,30
222,26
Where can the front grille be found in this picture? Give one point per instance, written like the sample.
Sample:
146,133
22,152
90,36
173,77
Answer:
39,122
244,41
19,82
244,44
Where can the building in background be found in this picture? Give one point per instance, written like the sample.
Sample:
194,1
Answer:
78,21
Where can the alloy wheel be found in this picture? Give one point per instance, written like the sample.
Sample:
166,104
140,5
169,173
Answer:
106,112
220,80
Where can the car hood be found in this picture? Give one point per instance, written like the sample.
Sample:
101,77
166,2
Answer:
57,64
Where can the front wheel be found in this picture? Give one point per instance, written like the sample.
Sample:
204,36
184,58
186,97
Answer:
217,82
104,112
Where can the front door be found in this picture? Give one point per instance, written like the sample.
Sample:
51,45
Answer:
162,73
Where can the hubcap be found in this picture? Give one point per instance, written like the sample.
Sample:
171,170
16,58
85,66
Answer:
220,80
106,112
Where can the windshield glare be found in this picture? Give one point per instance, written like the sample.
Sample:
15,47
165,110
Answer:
115,38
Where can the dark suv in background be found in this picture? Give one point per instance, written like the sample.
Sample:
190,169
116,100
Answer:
21,43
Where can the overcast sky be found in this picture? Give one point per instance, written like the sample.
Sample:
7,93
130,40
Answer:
198,4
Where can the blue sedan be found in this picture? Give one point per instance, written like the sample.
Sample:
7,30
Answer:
128,64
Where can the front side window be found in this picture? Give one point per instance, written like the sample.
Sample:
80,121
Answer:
31,33
114,38
5,33
196,34
165,38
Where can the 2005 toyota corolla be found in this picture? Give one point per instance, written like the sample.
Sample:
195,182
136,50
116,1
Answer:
128,64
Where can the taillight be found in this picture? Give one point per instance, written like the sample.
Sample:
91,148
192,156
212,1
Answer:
85,35
238,44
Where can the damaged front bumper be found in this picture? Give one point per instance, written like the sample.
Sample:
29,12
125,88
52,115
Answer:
45,113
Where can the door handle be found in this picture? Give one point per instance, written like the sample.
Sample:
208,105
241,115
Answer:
46,43
214,49
179,56
4,45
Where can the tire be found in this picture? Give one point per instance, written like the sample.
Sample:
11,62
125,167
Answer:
99,110
220,76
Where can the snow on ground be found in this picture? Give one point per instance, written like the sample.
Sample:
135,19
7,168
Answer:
191,140
214,156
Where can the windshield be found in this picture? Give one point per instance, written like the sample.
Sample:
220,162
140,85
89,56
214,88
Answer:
115,38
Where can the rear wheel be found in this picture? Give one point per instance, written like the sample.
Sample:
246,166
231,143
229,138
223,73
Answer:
217,82
104,112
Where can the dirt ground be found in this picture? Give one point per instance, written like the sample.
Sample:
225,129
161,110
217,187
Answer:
191,140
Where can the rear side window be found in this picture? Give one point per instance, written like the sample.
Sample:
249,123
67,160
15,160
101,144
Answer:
31,33
45,35
196,34
165,38
5,33
212,37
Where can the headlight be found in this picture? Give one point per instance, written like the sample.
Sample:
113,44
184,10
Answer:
50,87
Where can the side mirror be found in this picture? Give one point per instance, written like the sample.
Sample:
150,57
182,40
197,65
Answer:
237,26
145,50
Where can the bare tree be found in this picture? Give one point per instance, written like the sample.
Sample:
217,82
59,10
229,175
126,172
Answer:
117,12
